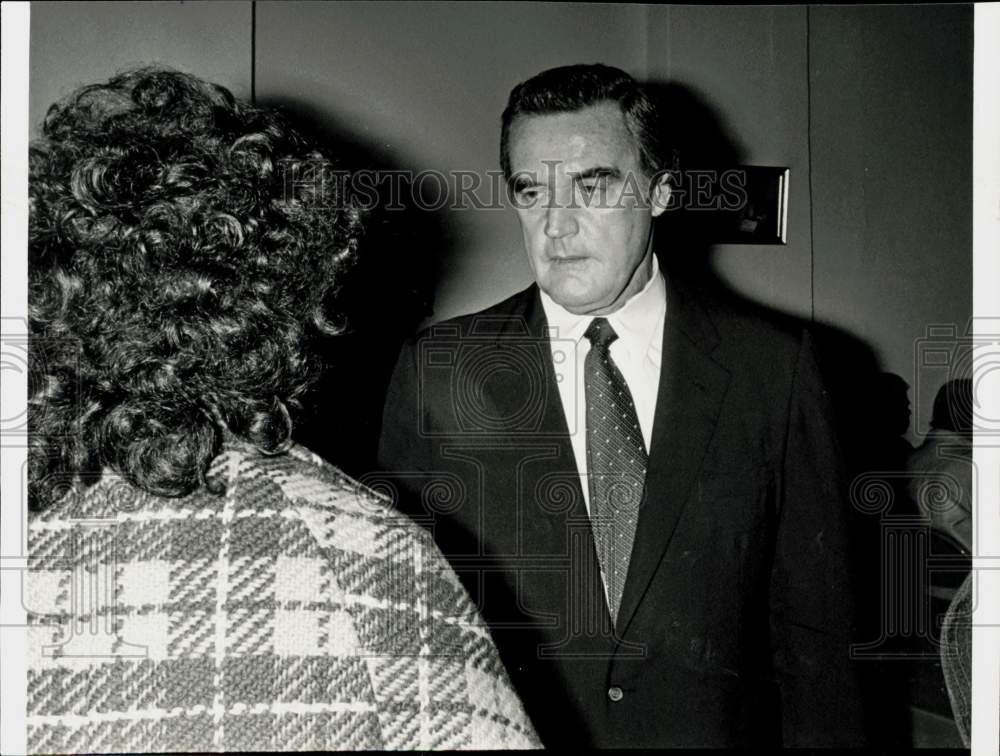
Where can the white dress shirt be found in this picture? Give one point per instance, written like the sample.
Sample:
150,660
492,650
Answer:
637,352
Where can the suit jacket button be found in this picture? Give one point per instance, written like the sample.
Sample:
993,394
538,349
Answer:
615,693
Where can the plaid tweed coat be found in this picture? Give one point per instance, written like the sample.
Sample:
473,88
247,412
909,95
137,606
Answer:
296,611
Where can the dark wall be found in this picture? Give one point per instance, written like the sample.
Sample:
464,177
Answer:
74,43
870,107
891,125
423,85
748,64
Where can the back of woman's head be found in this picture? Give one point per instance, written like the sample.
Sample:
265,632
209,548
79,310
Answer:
185,251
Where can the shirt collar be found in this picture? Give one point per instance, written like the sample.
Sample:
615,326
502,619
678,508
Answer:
636,322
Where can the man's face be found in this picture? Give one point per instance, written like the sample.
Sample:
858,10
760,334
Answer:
584,206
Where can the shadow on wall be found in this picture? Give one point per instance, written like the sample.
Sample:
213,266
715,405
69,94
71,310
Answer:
389,293
853,378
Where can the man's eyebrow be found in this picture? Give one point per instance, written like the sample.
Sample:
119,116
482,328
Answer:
523,181
600,171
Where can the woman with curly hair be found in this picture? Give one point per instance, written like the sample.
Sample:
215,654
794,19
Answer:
199,582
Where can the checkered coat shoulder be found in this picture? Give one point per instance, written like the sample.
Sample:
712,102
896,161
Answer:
290,609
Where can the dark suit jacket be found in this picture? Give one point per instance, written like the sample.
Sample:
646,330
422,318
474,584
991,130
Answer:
736,615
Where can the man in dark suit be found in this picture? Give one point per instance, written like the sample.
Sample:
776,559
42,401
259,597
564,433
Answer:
638,484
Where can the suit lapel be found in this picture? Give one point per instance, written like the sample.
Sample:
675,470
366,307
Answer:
554,520
535,378
692,386
526,395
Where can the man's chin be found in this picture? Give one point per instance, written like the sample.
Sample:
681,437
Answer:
569,298
576,302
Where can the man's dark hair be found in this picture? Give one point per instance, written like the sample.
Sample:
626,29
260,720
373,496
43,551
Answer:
179,281
570,88
953,407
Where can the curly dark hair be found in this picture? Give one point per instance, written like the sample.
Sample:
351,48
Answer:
185,254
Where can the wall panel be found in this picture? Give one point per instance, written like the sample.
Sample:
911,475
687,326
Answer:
892,176
748,63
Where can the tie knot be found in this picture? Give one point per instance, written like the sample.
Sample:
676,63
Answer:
600,333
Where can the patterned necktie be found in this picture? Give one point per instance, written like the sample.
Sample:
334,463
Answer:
616,460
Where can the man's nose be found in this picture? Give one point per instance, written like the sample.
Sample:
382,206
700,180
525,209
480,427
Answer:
560,221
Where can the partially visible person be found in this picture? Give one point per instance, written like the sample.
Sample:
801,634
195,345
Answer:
186,255
940,481
883,448
956,658
650,507
889,420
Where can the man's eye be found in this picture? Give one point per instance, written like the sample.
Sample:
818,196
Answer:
528,197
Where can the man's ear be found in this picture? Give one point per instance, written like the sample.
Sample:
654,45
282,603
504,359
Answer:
659,195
